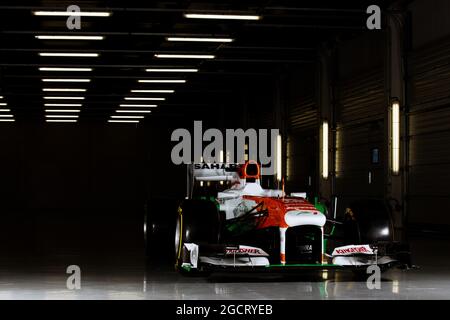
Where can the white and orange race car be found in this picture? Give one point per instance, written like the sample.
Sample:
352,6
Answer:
229,222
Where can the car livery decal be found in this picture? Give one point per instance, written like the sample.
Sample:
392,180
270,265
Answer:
352,250
244,250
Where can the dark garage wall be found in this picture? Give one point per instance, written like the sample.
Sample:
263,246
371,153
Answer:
360,110
70,188
429,114
302,128
430,21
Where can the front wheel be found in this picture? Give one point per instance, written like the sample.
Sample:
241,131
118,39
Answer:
197,222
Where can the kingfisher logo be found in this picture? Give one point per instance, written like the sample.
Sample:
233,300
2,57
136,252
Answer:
349,250
258,145
245,251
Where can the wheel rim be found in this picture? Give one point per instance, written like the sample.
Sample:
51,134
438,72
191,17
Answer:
178,237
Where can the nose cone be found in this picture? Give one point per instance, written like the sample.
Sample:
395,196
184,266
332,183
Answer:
304,218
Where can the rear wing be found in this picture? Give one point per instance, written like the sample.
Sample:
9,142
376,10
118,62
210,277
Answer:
215,175
222,172
226,172
210,172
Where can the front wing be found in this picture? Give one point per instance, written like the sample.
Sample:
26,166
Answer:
246,258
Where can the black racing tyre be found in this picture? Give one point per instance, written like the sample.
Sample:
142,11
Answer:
159,231
197,222
368,221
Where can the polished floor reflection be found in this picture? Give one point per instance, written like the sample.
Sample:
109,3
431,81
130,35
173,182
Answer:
132,278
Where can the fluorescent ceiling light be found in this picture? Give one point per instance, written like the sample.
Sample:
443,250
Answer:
127,117
63,98
124,121
56,37
279,158
63,90
7,120
152,91
162,81
72,14
144,99
60,120
190,39
65,69
6,116
171,70
62,110
3,104
66,80
139,105
133,111
66,54
62,116
184,56
395,137
62,105
325,147
5,110
1,97
221,16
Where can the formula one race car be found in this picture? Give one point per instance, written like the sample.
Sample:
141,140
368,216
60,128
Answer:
231,223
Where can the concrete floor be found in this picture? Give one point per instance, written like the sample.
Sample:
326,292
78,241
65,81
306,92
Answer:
129,278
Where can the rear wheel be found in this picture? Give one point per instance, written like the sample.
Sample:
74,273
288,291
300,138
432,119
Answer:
368,221
159,231
197,222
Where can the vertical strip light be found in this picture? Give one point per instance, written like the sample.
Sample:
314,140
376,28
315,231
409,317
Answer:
279,167
395,118
325,147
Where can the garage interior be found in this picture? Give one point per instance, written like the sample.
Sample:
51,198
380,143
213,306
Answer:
80,185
